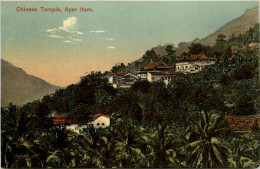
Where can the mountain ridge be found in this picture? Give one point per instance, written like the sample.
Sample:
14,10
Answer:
19,87
240,24
236,26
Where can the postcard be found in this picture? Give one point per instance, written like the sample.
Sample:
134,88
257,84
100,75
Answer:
135,84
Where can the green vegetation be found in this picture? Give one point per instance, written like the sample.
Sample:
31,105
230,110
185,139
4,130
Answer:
182,125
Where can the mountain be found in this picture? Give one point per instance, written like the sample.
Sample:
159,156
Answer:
19,87
237,26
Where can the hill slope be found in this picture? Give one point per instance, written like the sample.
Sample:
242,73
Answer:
236,26
19,87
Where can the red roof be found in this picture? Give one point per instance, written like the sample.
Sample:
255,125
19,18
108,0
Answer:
196,57
121,73
156,65
141,68
159,73
170,74
174,73
182,58
59,119
165,67
99,115
243,123
152,65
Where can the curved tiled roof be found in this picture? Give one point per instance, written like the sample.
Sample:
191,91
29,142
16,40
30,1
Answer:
153,65
99,115
171,74
196,57
165,67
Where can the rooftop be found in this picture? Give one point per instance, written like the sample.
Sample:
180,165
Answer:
121,73
243,123
99,115
196,57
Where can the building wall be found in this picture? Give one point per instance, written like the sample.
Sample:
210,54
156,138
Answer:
154,78
204,62
142,76
73,127
110,79
184,66
101,122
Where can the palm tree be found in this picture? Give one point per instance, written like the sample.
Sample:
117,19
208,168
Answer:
17,147
90,143
129,145
208,149
242,154
61,148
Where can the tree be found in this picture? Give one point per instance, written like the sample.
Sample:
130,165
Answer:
225,80
221,44
42,110
171,57
196,48
200,96
142,86
163,146
17,148
242,154
244,106
208,149
246,71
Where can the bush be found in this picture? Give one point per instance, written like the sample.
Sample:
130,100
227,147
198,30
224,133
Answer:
244,106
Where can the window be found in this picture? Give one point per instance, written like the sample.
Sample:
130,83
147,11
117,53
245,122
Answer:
103,124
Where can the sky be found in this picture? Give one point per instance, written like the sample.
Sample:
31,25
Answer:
61,47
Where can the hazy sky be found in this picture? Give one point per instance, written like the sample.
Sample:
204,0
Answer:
61,47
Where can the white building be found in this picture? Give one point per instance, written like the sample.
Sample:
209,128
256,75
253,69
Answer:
165,77
122,79
100,121
142,74
194,63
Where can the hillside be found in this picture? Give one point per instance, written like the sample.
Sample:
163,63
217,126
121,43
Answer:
19,87
236,26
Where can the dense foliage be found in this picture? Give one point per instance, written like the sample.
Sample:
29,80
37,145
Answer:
182,125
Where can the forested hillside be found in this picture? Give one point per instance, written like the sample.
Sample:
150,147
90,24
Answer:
182,125
236,27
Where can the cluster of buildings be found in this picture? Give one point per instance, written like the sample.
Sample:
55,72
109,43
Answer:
159,71
98,121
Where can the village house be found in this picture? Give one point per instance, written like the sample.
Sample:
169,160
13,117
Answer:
159,66
99,121
159,71
142,74
165,77
194,63
122,79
